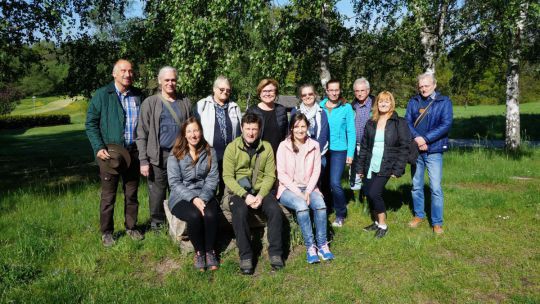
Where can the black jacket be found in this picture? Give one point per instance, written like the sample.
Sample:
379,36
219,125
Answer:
397,137
281,116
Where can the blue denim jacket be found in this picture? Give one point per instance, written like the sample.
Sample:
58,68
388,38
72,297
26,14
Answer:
439,121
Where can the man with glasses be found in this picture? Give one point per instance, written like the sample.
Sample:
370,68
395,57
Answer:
342,145
220,118
429,116
161,118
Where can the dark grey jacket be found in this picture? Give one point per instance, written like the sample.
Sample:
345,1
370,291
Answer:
188,182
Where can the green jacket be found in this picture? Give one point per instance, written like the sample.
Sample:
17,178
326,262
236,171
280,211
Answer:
105,120
236,165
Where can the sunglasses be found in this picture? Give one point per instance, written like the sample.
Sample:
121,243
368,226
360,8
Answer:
224,90
308,94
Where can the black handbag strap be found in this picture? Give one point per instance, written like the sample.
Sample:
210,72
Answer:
423,114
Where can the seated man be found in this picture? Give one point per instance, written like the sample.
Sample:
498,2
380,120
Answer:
249,175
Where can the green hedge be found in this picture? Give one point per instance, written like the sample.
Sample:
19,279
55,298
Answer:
30,121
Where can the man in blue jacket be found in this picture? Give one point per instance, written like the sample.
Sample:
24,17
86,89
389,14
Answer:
429,116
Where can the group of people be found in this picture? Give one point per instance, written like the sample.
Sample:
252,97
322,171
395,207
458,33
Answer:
209,156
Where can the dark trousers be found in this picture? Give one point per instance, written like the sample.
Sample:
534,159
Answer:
273,213
109,186
157,189
373,188
202,230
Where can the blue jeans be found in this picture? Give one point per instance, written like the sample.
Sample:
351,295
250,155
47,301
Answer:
433,162
293,201
336,166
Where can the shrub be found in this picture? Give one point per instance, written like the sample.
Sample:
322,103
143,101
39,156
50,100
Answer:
30,121
9,96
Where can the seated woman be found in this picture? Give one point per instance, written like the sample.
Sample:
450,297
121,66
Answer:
386,147
193,177
299,166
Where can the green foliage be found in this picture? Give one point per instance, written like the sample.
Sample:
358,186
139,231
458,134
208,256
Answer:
30,121
9,95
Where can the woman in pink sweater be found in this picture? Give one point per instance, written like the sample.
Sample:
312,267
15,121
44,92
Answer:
298,162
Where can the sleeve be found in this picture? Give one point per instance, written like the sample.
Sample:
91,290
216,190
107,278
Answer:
283,176
409,117
325,131
361,160
314,178
443,128
229,176
404,140
351,132
176,181
212,179
142,131
269,172
92,124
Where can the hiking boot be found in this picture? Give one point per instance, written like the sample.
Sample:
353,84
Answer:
135,234
199,261
107,239
212,262
372,227
156,227
311,254
437,229
338,222
415,222
324,252
380,233
246,267
276,262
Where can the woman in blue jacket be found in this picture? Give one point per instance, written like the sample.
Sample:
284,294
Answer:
193,177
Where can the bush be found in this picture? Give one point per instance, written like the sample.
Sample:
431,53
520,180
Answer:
9,96
30,121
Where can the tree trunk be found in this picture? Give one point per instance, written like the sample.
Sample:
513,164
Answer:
513,132
431,34
324,71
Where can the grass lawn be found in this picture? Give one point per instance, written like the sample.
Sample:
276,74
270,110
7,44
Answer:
50,249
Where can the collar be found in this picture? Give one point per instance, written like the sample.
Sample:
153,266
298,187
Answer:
126,93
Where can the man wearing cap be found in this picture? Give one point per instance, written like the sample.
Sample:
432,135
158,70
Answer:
159,122
111,123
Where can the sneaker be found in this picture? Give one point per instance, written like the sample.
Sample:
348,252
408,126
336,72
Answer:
135,234
357,184
199,261
156,227
437,229
311,254
372,227
276,262
415,222
107,239
380,233
338,222
324,252
246,266
212,262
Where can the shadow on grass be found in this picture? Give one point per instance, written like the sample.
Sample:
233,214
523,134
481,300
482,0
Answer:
493,127
489,153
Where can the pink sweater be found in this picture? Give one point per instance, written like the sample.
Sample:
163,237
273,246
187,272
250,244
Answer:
286,161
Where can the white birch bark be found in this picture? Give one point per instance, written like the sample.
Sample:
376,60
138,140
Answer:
324,71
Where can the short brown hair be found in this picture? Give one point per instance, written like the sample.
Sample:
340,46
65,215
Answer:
266,82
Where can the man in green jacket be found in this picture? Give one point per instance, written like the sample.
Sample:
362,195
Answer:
112,119
245,157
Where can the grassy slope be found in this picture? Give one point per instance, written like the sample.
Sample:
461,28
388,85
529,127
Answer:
50,249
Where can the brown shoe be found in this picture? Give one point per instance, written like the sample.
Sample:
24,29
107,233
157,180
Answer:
438,229
415,222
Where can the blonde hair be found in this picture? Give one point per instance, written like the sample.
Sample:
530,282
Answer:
384,95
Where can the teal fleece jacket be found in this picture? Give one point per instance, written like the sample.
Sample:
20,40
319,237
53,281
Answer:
342,129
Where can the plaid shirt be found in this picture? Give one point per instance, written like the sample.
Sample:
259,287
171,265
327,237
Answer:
362,112
132,113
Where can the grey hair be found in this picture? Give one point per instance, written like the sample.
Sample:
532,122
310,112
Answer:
166,69
360,81
429,75
221,79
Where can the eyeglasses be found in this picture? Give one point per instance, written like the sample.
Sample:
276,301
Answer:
268,91
224,90
308,94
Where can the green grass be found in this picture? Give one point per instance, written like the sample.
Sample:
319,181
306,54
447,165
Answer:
50,249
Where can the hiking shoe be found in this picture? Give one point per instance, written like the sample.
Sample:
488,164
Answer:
357,185
415,222
338,222
246,267
212,262
324,252
372,227
311,254
199,261
156,227
380,233
437,229
135,234
276,262
107,239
